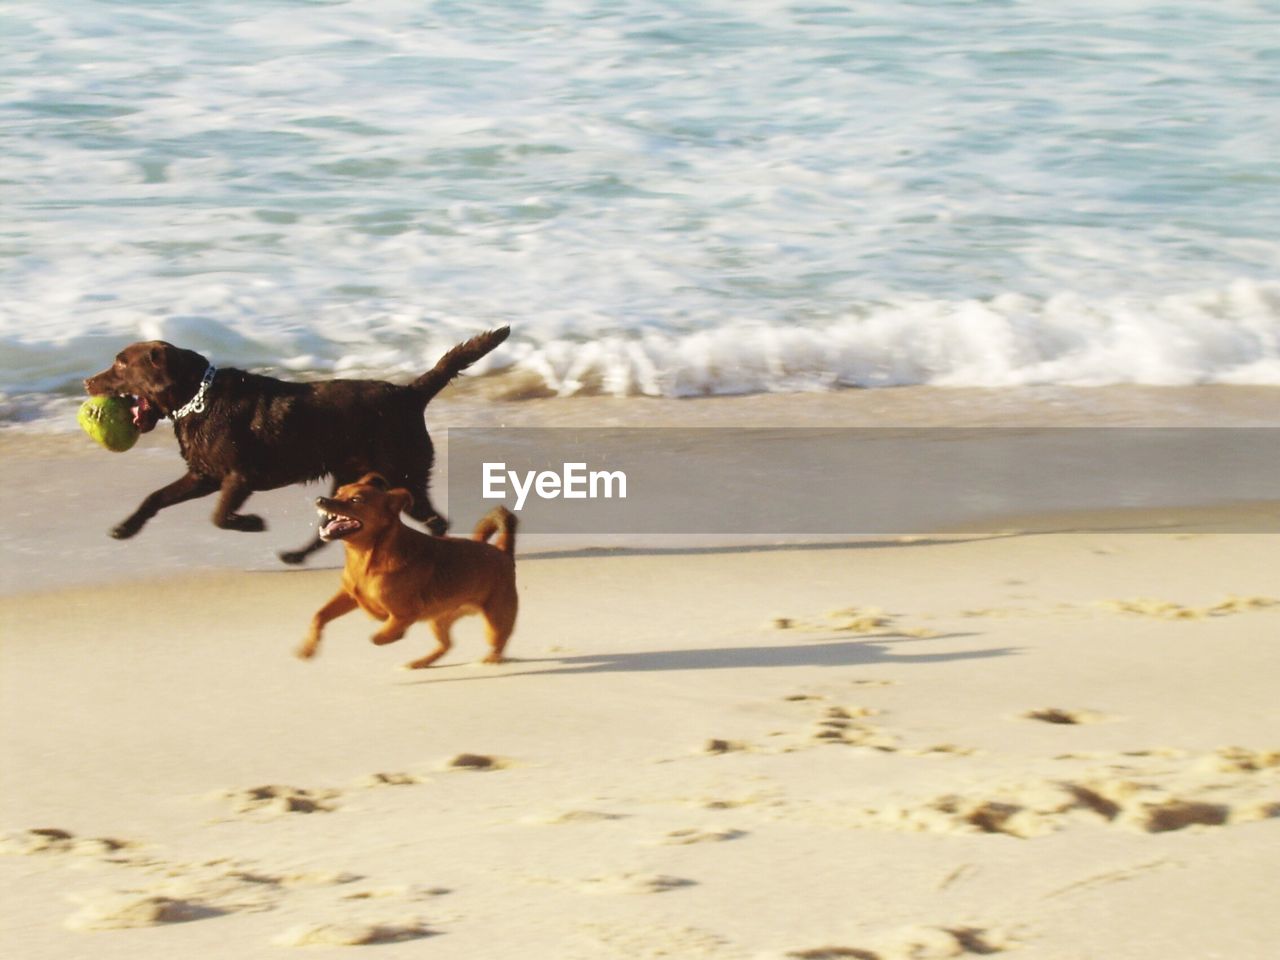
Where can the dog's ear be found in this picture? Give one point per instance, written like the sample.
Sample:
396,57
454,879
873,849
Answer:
400,499
374,480
155,355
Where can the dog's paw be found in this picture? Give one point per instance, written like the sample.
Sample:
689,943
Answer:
437,524
124,530
305,652
244,522
422,663
292,557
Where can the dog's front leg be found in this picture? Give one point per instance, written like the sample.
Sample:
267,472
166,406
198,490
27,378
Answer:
342,603
235,491
392,631
187,487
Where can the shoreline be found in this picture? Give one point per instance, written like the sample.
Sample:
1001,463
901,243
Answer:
72,491
484,400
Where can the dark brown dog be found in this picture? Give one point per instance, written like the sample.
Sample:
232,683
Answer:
400,576
240,432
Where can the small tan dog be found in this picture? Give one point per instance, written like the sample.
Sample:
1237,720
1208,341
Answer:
400,576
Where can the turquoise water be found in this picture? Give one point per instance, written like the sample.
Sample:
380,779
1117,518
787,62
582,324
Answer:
661,198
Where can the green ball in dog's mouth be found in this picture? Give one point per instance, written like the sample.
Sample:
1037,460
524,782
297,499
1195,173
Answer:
109,420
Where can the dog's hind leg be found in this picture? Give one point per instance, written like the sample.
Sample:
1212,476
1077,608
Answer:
499,624
300,556
440,628
235,491
422,511
186,487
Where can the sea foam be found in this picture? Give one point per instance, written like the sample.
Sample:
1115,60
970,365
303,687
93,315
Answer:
660,199
1226,336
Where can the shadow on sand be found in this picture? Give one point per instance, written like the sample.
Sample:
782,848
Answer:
800,546
829,653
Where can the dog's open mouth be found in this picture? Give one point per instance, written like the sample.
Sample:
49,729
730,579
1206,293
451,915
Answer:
335,527
145,413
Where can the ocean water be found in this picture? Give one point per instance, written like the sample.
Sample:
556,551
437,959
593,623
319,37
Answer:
662,198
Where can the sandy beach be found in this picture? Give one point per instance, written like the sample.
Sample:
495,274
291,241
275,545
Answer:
1058,746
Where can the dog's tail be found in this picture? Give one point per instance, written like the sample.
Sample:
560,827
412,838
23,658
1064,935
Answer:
503,522
457,360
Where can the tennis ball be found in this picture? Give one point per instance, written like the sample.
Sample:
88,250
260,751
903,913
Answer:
109,420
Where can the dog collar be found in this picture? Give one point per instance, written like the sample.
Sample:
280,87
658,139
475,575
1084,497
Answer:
196,403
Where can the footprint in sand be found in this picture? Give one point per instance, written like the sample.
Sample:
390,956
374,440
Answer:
761,799
573,816
1152,809
402,891
917,943
1038,808
1168,610
848,725
1064,717
310,878
40,840
941,750
475,761
353,933
1239,760
390,780
120,911
833,723
197,891
209,889
634,883
866,621
276,800
718,746
694,835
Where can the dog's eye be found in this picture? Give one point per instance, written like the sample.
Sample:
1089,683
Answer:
357,500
